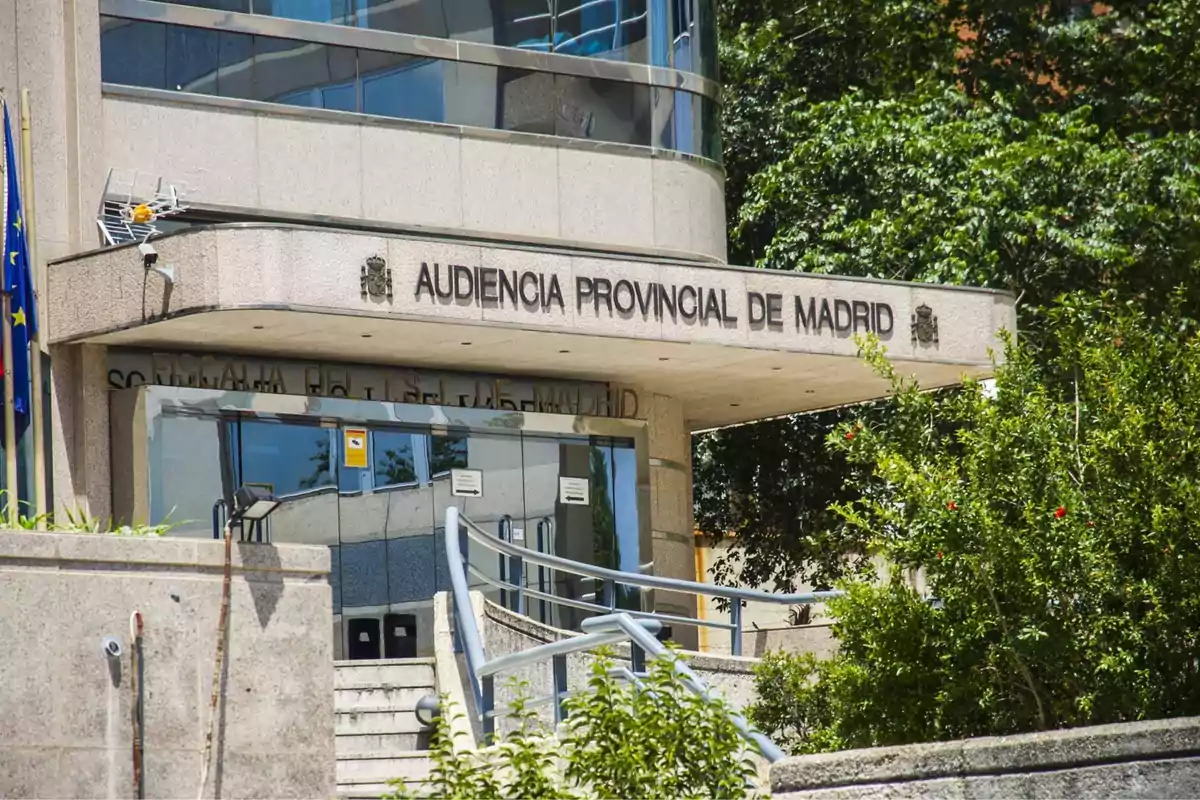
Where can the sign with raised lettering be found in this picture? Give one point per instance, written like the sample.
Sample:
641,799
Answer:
129,368
674,303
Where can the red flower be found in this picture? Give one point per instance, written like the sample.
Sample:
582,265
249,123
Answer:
849,435
953,506
939,554
1091,524
1060,512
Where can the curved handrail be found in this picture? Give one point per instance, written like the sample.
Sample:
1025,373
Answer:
636,579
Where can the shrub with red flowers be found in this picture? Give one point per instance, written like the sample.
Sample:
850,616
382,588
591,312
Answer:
1055,523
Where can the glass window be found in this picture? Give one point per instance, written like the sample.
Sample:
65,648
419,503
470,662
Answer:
286,457
304,74
338,11
406,87
522,23
133,53
447,453
418,17
395,463
610,111
706,30
710,127
682,27
601,28
186,478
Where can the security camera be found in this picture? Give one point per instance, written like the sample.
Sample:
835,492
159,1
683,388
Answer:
149,254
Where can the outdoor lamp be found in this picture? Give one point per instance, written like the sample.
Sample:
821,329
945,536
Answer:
427,710
252,503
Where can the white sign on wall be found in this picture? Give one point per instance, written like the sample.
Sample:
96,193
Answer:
466,482
574,491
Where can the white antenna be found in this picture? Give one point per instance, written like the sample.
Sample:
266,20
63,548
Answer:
130,206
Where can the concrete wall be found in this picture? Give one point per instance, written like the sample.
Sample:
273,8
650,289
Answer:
1157,759
442,177
66,709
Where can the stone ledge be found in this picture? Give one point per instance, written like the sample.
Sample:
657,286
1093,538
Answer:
36,549
1033,752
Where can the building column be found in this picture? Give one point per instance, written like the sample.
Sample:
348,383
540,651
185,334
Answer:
80,433
671,521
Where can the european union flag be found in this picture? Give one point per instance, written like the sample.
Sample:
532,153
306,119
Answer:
18,282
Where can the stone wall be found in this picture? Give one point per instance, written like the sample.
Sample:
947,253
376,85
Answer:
66,707
1157,759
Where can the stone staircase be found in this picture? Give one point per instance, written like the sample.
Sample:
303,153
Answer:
378,735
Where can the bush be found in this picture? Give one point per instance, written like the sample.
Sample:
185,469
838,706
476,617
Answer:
618,741
1054,523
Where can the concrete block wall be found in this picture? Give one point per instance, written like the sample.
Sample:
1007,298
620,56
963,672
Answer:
66,708
1155,759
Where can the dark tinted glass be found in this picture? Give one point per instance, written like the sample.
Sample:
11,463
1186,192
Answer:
601,29
447,453
407,87
133,53
710,127
339,11
394,460
609,111
419,17
706,32
304,74
682,34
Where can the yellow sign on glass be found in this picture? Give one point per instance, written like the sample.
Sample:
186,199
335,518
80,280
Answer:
355,448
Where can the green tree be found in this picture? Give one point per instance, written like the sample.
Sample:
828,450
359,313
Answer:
656,741
1054,527
1038,147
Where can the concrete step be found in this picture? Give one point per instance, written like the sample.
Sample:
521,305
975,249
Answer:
384,720
402,698
389,672
355,770
386,743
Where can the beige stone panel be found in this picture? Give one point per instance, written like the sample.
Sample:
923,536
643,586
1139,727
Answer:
672,209
324,269
597,205
86,179
42,70
309,166
670,506
209,154
510,188
706,196
411,177
251,269
967,318
667,428
700,328
792,334
540,313
595,315
8,48
405,257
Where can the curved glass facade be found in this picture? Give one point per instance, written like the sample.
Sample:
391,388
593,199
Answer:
224,63
665,33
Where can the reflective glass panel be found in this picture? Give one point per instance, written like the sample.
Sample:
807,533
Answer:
241,6
682,34
418,17
522,23
609,111
706,31
406,87
601,29
186,480
447,453
304,74
133,53
394,461
337,11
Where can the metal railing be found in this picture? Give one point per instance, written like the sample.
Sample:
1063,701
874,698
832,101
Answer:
611,627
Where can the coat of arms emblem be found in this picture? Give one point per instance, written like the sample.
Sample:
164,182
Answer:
924,326
376,278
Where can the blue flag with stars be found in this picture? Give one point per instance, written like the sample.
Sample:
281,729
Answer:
18,283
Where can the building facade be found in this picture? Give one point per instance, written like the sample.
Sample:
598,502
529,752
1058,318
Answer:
415,253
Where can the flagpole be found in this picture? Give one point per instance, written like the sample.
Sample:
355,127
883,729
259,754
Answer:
35,343
10,416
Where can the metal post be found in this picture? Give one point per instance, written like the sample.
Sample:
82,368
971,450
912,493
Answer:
610,593
504,534
489,705
518,575
560,687
735,616
541,571
637,659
